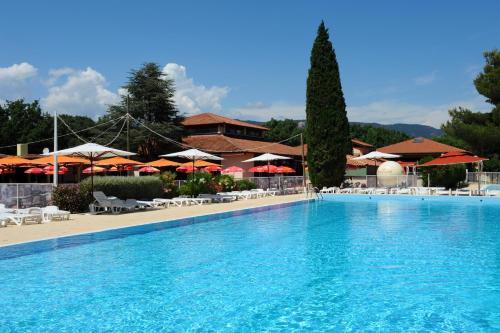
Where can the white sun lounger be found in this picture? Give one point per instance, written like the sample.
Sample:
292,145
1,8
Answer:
463,191
51,213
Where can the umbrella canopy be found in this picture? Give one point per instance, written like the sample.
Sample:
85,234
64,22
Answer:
269,168
161,163
376,155
284,169
200,164
212,168
149,169
455,157
232,169
267,157
194,154
113,169
50,168
14,161
93,150
117,160
186,168
7,171
34,171
93,169
60,159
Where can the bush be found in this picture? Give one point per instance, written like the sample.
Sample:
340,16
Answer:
169,186
226,182
202,182
145,187
244,185
72,197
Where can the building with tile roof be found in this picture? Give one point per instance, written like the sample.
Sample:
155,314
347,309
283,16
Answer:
416,148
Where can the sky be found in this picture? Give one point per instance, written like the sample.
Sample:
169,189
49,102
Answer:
400,61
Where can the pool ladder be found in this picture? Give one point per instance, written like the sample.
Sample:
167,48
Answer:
318,193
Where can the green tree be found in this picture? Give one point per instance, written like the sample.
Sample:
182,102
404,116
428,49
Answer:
150,101
327,125
488,82
280,130
479,132
22,122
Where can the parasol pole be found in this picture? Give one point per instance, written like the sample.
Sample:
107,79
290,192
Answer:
56,166
192,181
480,167
268,176
303,162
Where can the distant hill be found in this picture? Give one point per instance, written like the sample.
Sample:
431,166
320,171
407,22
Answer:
412,130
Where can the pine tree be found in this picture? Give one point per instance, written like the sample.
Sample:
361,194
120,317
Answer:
327,130
150,100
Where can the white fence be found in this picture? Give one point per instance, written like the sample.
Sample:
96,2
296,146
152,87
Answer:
486,177
23,195
384,181
278,182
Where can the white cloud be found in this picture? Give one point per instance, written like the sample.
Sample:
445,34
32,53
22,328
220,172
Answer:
425,79
17,72
263,112
190,97
390,112
82,92
15,79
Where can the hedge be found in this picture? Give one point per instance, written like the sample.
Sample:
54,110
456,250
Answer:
140,188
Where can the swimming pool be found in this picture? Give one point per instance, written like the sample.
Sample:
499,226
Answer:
344,264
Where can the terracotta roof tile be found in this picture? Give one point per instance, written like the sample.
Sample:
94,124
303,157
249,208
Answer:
418,146
218,143
211,118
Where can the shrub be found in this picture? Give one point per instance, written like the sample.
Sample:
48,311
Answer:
145,187
169,186
244,185
72,197
202,182
226,182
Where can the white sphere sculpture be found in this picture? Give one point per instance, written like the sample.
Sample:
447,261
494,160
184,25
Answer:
388,172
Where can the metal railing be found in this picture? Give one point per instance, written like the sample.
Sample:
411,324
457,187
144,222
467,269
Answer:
278,182
384,181
23,195
486,177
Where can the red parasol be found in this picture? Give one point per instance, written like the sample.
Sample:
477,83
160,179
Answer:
34,171
264,168
93,169
454,157
212,168
186,168
284,169
149,169
232,169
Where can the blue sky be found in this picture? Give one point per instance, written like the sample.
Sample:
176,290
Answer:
399,61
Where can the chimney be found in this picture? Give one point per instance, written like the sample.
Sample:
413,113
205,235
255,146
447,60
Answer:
22,149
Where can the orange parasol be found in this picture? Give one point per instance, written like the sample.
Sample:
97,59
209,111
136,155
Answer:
161,163
14,161
199,164
61,159
117,160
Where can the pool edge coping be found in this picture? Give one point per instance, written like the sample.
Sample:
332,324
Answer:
153,222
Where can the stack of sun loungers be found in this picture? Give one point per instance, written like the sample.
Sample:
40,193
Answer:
31,215
405,190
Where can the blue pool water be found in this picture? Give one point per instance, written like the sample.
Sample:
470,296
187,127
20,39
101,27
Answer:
343,266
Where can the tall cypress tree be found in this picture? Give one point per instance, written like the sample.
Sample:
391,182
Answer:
327,131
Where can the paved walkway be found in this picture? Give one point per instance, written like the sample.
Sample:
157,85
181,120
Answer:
83,223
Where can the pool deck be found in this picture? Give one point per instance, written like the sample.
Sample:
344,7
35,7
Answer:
84,223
